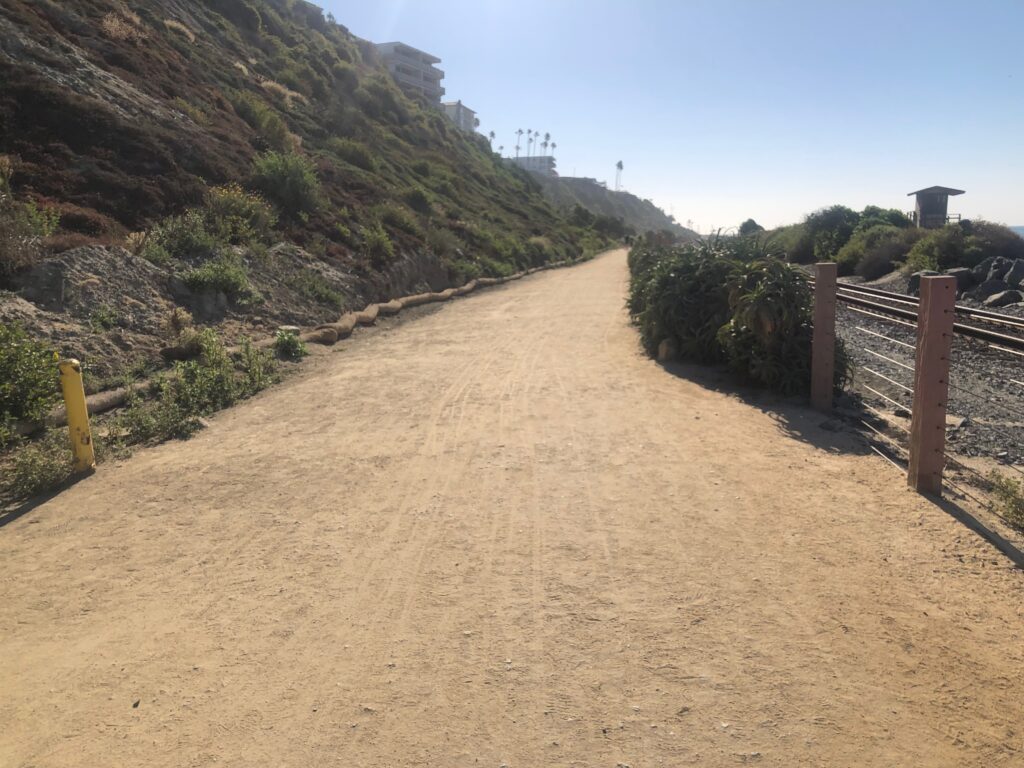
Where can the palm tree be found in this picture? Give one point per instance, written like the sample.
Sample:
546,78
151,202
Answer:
618,175
490,138
501,149
529,140
547,142
519,137
553,147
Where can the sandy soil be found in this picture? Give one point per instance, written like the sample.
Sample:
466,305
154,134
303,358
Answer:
499,535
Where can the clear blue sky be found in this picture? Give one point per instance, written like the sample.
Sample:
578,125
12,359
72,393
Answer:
725,109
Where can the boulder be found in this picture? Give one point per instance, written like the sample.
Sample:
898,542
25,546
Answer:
1003,298
999,268
980,272
1015,275
915,280
990,288
964,277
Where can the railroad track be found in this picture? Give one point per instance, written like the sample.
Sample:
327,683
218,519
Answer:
980,324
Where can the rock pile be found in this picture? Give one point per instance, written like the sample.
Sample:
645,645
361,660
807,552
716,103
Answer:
995,282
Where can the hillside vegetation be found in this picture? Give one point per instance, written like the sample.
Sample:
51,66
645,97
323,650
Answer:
641,216
249,162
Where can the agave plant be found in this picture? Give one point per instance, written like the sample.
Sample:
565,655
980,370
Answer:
768,338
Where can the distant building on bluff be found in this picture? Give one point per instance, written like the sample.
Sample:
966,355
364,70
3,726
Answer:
413,70
932,203
463,117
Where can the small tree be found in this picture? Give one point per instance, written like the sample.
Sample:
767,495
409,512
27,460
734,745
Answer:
750,227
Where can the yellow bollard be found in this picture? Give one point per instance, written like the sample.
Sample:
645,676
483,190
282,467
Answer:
78,415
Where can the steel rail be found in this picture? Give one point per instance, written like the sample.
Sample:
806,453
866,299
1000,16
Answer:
992,337
985,315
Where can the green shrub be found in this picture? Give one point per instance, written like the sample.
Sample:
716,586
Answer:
264,120
444,242
398,217
184,237
225,273
312,284
873,216
237,217
683,295
418,199
767,340
289,181
257,368
23,226
985,239
207,384
289,346
1008,498
195,389
41,465
377,245
829,229
877,248
539,251
353,152
966,244
717,307
28,376
796,242
104,318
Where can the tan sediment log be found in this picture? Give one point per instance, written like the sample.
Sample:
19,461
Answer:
325,334
369,315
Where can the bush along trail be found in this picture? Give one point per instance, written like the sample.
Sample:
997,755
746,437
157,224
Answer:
731,301
207,377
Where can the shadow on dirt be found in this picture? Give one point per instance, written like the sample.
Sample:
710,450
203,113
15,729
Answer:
8,514
840,433
836,433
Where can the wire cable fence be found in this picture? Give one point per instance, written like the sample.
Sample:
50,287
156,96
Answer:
939,386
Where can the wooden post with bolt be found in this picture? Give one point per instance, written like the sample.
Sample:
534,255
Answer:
823,343
935,317
78,415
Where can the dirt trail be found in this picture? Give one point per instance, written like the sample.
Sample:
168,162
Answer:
498,535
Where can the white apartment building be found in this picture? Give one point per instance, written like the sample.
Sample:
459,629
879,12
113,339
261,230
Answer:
463,117
413,70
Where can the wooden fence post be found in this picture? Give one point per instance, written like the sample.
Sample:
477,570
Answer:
935,317
823,344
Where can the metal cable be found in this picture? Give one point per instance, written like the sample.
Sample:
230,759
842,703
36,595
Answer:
895,383
887,338
882,317
888,359
885,418
884,397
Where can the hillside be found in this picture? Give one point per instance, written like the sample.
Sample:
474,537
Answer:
134,135
641,215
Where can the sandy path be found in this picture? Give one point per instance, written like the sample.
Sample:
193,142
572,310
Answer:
499,535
